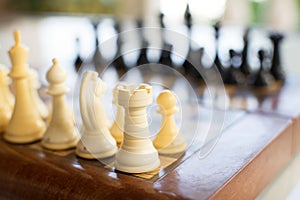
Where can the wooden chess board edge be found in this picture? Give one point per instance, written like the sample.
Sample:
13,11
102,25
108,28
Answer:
256,174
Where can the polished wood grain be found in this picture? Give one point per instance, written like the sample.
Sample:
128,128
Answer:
284,102
201,178
296,135
253,177
28,173
248,155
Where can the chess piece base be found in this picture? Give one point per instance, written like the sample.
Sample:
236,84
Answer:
136,162
23,139
60,146
177,146
95,147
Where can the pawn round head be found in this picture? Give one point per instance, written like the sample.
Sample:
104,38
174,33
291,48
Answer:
166,100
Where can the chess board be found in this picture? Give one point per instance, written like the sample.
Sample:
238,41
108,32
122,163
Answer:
168,162
259,134
255,144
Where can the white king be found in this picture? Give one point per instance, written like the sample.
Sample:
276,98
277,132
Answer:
26,124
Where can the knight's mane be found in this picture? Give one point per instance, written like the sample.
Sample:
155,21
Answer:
87,101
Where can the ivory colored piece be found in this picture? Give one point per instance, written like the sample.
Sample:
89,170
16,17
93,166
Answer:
96,141
118,126
168,140
137,153
26,124
6,99
61,133
34,86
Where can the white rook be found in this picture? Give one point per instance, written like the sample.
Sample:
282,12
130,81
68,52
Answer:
137,153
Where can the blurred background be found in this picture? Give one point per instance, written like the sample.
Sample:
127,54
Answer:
280,14
50,27
66,29
71,31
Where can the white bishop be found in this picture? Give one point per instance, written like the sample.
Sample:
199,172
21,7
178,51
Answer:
61,132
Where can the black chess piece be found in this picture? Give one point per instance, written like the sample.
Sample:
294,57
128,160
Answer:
95,25
276,68
217,27
142,59
139,23
188,17
263,77
165,56
217,61
117,27
161,20
78,60
193,64
97,59
218,64
118,62
234,76
244,66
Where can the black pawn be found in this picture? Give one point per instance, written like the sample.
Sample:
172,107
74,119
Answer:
263,78
233,75
165,57
142,59
188,17
193,65
78,60
276,68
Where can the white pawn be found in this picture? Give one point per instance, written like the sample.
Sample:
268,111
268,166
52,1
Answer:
34,86
6,99
61,133
96,141
137,153
168,140
26,124
118,126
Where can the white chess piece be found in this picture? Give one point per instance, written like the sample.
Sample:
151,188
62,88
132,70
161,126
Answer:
6,99
168,140
137,153
34,86
26,124
118,126
96,140
61,133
